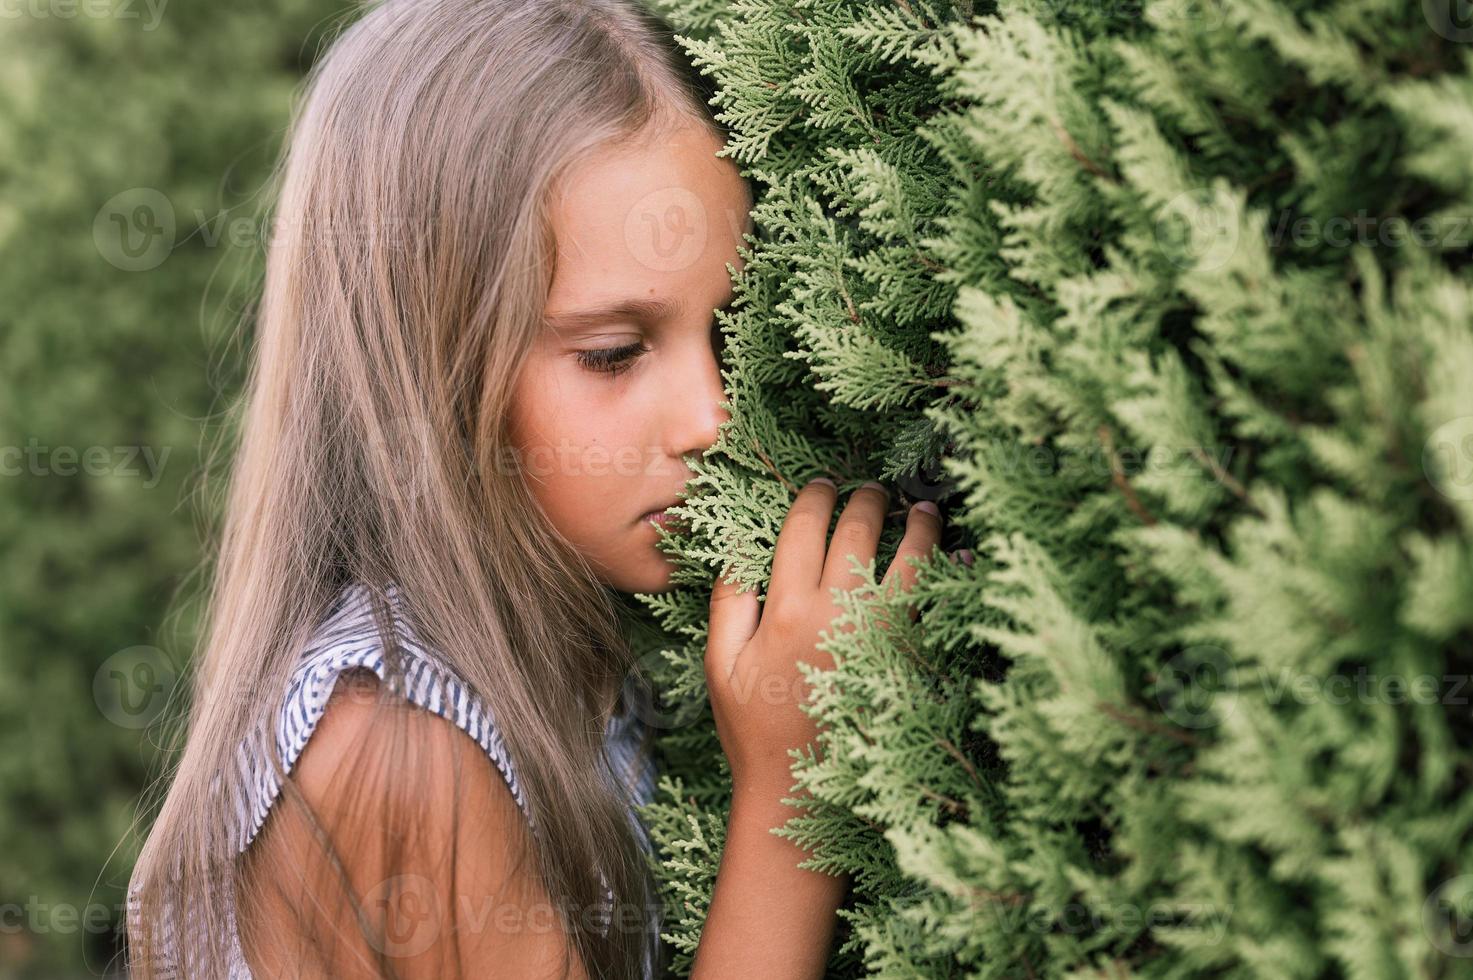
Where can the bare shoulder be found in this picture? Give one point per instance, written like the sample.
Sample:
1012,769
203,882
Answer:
395,810
372,739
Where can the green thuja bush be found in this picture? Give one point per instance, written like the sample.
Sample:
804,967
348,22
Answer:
1168,304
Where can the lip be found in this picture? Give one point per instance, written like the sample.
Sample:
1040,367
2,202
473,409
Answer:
662,517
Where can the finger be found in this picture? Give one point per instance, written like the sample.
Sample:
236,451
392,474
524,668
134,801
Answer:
857,534
734,617
922,534
798,560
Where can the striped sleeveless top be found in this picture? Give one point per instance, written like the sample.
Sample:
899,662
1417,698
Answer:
347,638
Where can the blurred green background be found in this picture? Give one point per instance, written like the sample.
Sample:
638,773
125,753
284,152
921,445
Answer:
135,136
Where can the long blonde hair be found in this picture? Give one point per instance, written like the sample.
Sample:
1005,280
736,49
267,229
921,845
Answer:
409,261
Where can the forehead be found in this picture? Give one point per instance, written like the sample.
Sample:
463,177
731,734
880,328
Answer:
661,215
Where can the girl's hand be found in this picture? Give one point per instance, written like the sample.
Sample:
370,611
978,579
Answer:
751,666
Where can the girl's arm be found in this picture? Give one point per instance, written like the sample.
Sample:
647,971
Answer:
768,918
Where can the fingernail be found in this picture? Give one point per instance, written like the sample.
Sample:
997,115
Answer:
928,507
875,485
966,556
823,479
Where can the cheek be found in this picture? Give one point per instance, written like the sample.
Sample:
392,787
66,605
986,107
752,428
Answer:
545,415
578,441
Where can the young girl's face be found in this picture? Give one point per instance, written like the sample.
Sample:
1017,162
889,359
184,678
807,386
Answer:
623,380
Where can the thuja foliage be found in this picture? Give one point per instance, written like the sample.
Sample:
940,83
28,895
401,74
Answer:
1168,303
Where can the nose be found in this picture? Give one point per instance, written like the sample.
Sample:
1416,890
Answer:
697,411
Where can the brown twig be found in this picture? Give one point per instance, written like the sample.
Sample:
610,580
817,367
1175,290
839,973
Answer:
1075,151
757,447
956,753
1225,478
998,898
1146,725
955,806
848,302
1117,476
931,264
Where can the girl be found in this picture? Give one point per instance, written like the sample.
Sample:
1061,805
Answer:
485,351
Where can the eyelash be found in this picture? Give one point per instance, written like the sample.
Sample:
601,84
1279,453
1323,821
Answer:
612,360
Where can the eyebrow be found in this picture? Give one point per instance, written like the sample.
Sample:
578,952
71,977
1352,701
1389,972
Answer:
646,310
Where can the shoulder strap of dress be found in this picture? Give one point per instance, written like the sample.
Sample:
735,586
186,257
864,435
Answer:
349,639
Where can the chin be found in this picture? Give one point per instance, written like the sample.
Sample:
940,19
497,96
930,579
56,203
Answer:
651,576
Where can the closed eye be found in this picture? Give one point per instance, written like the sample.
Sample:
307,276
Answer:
616,360
613,360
